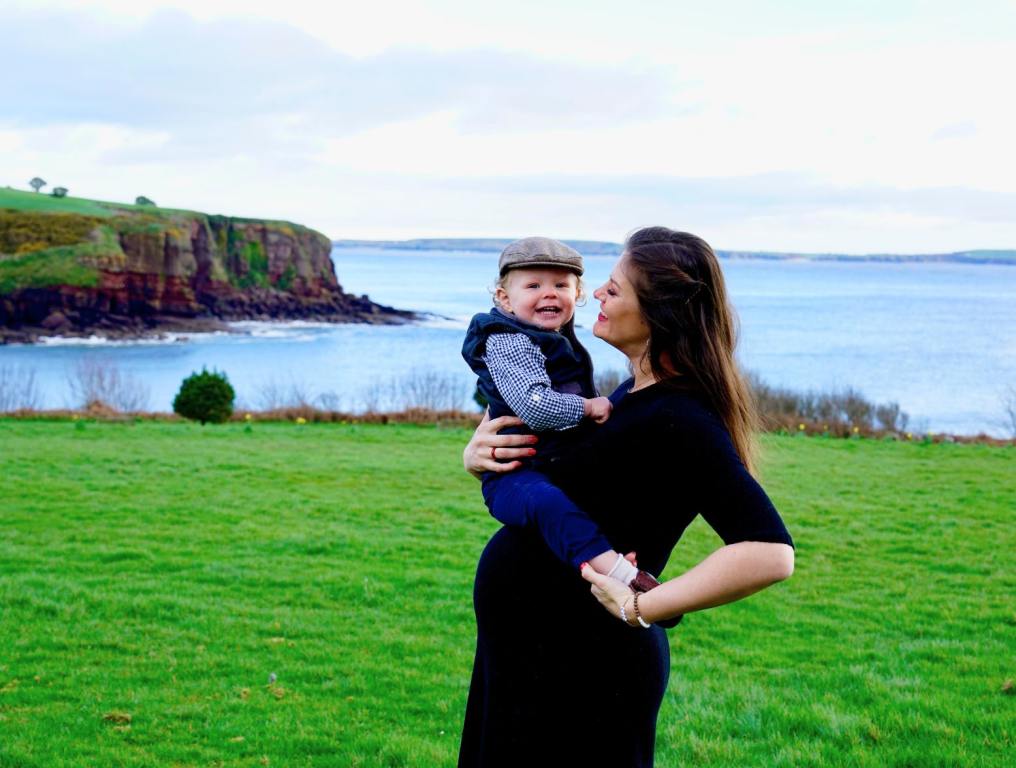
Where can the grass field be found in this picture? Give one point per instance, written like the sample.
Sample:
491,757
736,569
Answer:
43,202
153,576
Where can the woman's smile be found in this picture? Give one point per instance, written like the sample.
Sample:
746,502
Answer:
624,327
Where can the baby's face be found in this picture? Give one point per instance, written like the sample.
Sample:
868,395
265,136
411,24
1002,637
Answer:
541,296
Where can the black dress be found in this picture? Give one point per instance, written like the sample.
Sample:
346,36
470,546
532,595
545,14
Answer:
558,681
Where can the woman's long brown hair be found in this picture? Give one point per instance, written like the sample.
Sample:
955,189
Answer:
692,326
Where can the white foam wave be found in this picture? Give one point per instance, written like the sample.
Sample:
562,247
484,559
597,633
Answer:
258,326
101,341
442,321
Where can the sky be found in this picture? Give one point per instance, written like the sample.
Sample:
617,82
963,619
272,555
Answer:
808,126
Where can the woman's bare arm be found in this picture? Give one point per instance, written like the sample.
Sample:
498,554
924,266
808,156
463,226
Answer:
730,573
486,449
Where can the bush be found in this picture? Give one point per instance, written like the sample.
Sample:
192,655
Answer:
97,383
840,411
142,200
59,192
206,396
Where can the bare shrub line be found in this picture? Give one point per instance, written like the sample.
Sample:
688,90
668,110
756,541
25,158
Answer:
293,393
426,396
417,389
19,389
97,384
1009,410
312,415
782,407
452,419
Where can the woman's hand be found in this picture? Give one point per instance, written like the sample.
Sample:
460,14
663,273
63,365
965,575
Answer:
730,573
486,447
611,593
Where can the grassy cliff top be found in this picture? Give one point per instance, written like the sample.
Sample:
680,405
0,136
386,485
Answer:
42,202
50,241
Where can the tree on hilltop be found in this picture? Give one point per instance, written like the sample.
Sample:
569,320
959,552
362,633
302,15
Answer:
37,183
142,200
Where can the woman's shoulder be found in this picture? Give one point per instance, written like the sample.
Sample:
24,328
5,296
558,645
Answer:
672,408
674,397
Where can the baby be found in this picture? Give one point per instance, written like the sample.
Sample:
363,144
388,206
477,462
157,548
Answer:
531,365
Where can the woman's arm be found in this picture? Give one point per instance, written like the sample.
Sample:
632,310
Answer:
728,574
486,449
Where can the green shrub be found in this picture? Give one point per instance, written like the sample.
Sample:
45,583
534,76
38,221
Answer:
206,396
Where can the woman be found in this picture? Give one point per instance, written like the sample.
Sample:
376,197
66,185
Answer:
557,680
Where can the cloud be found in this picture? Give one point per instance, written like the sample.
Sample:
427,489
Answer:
768,194
246,84
963,130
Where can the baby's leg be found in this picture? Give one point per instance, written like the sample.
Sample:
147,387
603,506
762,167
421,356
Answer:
526,498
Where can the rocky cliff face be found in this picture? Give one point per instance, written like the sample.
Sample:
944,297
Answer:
137,272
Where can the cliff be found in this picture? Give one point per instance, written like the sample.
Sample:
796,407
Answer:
71,267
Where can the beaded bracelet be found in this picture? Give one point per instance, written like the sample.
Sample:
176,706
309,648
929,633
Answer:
638,614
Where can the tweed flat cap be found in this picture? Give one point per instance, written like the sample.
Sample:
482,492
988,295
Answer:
540,252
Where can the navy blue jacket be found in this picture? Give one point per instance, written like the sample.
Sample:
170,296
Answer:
568,364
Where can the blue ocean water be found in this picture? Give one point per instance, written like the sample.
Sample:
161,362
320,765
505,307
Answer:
939,339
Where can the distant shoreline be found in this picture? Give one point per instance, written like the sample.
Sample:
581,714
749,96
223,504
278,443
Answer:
604,248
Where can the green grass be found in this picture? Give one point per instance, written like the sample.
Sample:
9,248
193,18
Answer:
163,571
63,265
20,200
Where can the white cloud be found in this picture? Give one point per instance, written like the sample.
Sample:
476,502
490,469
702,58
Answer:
817,128
191,77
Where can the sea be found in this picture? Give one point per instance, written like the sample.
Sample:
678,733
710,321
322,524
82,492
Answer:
939,339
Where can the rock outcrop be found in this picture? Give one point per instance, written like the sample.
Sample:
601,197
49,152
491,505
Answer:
138,272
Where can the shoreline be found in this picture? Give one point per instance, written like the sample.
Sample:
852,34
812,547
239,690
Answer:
984,256
112,329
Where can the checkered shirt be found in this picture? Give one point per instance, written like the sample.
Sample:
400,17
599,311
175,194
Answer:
519,370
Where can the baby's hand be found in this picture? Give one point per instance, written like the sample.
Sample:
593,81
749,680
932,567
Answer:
598,409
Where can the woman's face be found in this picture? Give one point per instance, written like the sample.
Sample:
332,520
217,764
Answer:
620,322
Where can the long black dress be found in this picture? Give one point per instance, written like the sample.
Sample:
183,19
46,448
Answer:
558,681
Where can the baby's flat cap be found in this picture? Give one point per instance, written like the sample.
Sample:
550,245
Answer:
539,252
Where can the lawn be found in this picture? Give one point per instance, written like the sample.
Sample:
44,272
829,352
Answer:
43,202
299,595
20,200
